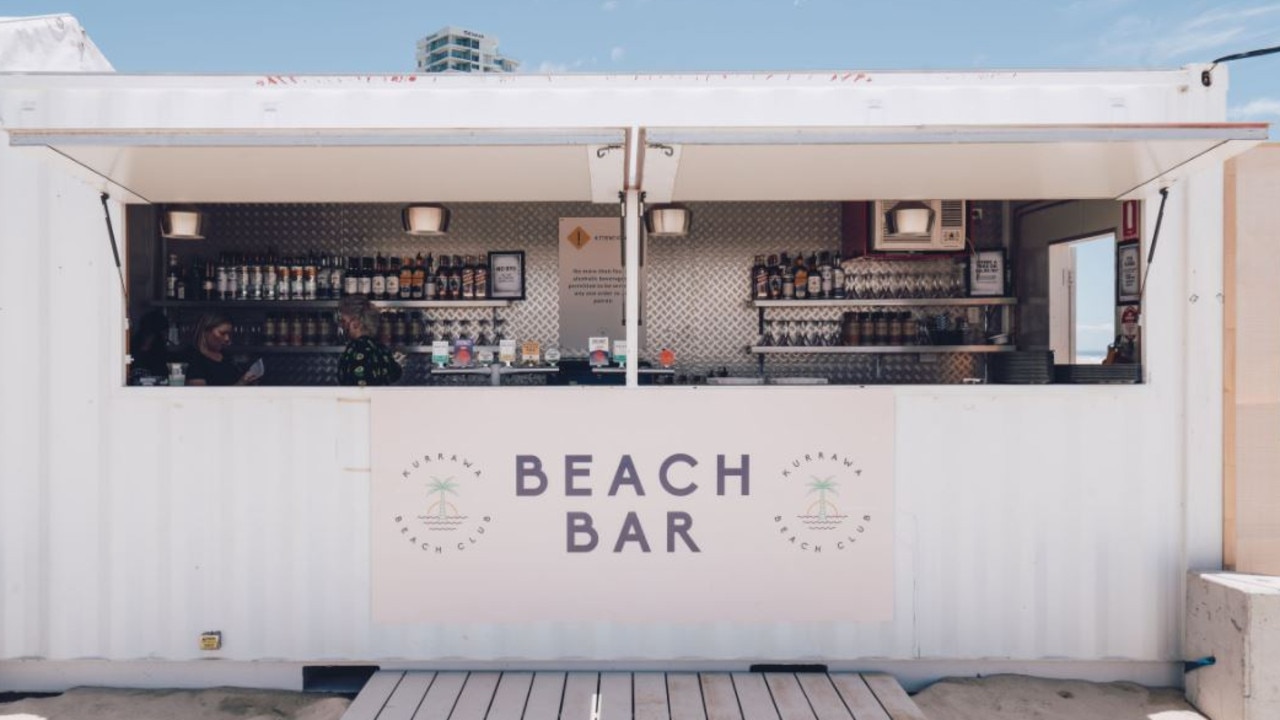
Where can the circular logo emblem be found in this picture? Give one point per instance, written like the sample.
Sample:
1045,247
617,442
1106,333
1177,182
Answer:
433,512
821,499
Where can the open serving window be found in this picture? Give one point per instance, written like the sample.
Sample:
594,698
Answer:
841,255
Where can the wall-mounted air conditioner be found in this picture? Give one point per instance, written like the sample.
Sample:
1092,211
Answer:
918,226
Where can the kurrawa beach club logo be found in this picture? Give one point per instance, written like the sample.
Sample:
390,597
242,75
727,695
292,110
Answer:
437,520
822,495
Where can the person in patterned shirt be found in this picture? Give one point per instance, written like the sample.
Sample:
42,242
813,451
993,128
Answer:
364,361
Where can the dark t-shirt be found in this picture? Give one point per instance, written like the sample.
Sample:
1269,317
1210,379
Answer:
212,372
365,362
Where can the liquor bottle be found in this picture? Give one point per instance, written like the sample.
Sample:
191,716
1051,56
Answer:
322,278
393,279
759,279
418,282
233,278
443,274
180,287
207,282
309,330
837,279
378,282
336,278
282,281
801,278
430,283
171,279
242,283
365,286
221,283
406,279
255,280
788,279
482,279
775,278
384,329
815,277
269,330
399,330
455,279
468,278
351,281
295,330
269,276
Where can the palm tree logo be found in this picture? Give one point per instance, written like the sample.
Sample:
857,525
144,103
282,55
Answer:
827,514
442,514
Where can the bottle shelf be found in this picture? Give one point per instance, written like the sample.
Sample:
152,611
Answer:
888,302
325,304
879,349
322,349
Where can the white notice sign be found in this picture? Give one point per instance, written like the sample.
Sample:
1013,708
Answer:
660,506
592,281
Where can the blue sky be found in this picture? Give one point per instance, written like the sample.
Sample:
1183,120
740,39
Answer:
601,36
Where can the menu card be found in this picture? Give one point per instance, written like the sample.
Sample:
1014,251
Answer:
530,352
620,352
598,351
507,352
440,353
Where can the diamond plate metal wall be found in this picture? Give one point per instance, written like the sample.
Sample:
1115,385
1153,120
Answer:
696,292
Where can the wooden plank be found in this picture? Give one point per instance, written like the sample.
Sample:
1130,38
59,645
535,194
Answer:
649,693
788,697
441,696
404,702
511,696
684,697
373,696
544,696
754,697
580,691
719,697
476,697
615,696
893,697
858,697
823,698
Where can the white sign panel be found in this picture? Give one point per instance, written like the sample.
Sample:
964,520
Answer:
614,505
592,281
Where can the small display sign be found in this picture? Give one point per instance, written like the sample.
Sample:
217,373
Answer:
507,352
667,357
552,356
530,352
463,352
598,351
620,352
440,353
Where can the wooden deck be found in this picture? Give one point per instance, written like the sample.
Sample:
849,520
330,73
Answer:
414,695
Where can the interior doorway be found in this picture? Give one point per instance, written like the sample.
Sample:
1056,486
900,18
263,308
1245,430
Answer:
1082,314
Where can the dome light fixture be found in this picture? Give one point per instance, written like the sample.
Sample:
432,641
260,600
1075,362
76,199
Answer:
669,220
910,217
182,223
426,219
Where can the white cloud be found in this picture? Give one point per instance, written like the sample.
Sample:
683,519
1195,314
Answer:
1147,39
617,53
610,5
1255,109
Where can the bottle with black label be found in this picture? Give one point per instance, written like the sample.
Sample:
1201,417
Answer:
336,278
322,279
837,279
759,279
815,277
351,281
468,280
405,289
418,282
482,279
365,286
378,281
207,281
392,273
801,278
430,283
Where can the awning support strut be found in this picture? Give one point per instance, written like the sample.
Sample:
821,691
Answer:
115,249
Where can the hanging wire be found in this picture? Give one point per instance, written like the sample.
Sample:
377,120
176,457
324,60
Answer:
1206,77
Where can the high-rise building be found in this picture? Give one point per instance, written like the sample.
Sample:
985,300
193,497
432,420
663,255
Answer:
452,49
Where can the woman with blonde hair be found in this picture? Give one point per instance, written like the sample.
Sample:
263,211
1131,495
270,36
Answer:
207,364
364,361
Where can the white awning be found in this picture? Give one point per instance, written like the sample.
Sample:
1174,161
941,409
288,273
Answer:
970,162
347,166
695,164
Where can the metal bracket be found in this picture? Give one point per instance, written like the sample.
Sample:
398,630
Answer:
666,149
605,149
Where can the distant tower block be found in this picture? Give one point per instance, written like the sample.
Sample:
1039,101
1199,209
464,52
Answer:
452,49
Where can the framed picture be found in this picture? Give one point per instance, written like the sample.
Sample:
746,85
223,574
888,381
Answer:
1128,273
506,275
986,274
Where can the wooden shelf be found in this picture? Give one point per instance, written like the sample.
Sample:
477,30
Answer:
278,305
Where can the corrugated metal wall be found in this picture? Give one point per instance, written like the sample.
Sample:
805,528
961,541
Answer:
1034,523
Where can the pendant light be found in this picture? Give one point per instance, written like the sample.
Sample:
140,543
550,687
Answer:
182,223
425,219
667,220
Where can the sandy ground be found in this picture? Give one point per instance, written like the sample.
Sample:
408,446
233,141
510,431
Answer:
1018,697
211,704
999,697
